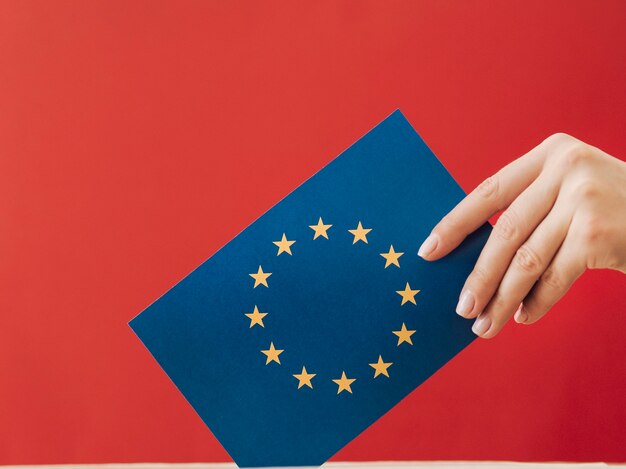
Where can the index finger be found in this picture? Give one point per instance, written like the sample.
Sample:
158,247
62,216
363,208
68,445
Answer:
492,195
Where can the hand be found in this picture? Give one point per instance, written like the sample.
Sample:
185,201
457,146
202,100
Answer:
564,208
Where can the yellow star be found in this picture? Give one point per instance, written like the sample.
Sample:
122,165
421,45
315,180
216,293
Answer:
260,278
344,383
320,229
391,257
283,245
272,354
380,367
360,233
407,294
304,378
404,335
256,317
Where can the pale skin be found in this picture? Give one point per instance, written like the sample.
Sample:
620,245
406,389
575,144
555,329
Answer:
564,211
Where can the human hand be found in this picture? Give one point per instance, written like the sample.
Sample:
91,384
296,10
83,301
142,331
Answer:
564,208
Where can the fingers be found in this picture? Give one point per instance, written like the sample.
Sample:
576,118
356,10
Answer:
529,262
512,229
494,194
566,267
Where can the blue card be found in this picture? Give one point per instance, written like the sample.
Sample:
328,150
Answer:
319,317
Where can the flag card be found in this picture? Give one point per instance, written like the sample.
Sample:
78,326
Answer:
320,317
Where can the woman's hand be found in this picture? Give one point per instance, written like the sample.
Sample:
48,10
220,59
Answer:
564,208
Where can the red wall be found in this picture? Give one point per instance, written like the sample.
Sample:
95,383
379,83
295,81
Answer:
134,138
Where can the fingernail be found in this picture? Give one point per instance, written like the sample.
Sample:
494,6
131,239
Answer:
465,304
521,316
481,325
428,246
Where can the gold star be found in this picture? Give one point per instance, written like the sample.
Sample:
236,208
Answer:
407,294
272,354
404,335
283,245
391,257
260,278
360,233
344,383
304,378
380,367
256,317
320,229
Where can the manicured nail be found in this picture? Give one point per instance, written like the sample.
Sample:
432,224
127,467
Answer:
428,246
466,303
481,325
521,316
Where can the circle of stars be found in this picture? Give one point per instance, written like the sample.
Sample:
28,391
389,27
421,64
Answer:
392,258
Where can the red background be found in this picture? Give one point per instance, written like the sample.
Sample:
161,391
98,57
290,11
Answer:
136,138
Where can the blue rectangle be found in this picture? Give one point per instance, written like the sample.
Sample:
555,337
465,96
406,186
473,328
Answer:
331,306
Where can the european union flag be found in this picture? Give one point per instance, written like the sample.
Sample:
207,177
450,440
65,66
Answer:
319,317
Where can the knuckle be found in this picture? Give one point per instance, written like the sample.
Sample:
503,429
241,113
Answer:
527,260
587,189
506,227
591,229
574,155
497,303
489,188
593,232
558,138
553,279
479,278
